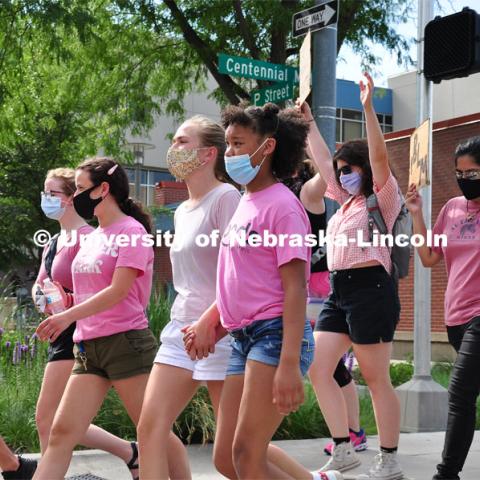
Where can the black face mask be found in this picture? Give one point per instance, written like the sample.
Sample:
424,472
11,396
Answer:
84,205
469,188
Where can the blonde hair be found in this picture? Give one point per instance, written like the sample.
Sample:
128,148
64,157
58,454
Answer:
212,134
66,176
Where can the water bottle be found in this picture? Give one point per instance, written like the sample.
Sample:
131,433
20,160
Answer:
39,299
53,297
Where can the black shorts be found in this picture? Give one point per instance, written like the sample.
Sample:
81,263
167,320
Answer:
62,347
364,304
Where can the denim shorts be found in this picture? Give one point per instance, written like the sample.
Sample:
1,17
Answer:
262,341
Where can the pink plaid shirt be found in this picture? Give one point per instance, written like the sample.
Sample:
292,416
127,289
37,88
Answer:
352,217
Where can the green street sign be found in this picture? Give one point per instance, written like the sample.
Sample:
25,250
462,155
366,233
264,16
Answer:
250,68
275,94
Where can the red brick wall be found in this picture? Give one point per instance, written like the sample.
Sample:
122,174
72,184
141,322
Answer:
165,193
445,138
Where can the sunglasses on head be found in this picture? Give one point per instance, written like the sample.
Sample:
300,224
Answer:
345,170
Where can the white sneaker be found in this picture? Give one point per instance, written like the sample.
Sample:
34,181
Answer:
385,467
343,458
330,475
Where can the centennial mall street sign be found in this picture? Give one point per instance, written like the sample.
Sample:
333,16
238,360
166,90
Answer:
284,75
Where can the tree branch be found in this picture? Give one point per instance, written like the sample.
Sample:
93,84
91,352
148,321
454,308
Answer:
349,10
232,91
245,30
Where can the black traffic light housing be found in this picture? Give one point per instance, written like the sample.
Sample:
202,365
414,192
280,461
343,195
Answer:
452,46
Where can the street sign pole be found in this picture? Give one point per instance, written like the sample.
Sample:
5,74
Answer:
324,80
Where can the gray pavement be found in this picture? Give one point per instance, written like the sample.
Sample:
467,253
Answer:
419,453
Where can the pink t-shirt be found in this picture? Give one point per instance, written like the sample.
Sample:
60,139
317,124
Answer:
351,218
461,254
93,270
62,263
249,286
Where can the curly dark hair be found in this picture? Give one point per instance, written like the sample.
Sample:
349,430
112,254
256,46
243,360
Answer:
286,126
355,152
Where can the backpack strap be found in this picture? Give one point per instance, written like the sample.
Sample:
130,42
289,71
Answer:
50,255
375,217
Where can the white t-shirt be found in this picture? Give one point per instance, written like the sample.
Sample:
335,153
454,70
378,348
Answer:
194,267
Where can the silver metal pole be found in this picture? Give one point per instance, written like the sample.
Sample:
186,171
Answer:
423,401
422,276
324,92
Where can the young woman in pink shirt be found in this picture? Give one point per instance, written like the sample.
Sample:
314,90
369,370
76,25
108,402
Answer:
459,220
261,296
363,308
197,157
112,277
57,259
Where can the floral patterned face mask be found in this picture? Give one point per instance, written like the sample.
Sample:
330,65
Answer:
181,163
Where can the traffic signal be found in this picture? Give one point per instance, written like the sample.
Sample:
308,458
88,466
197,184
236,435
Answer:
452,46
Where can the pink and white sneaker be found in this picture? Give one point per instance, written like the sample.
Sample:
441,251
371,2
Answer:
358,440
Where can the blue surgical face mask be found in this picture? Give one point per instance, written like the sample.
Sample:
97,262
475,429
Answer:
351,182
239,167
52,207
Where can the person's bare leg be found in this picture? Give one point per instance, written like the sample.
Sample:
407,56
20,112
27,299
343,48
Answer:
55,378
329,348
215,393
99,439
350,395
374,363
258,419
81,401
8,460
168,392
226,424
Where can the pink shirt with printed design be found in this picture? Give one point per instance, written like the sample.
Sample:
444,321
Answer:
93,270
461,254
351,218
249,284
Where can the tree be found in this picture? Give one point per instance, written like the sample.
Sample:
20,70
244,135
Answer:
261,30
67,93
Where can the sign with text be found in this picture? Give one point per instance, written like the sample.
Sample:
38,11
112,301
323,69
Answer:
256,69
274,94
419,148
305,68
315,18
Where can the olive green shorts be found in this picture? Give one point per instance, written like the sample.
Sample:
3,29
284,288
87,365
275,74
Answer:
117,356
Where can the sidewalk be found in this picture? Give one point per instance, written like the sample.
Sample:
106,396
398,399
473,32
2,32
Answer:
419,453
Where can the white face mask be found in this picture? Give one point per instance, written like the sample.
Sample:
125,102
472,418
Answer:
52,207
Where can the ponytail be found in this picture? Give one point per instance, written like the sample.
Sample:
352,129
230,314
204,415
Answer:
135,209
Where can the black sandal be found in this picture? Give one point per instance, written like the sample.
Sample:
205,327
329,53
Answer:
133,464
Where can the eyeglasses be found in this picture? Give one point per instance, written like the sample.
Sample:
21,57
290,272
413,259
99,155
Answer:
468,174
49,193
345,170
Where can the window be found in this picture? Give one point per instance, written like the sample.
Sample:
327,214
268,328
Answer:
350,124
148,179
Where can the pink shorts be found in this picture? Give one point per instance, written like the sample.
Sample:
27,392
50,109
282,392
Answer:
319,285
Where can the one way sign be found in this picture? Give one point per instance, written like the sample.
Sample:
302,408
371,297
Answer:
315,18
